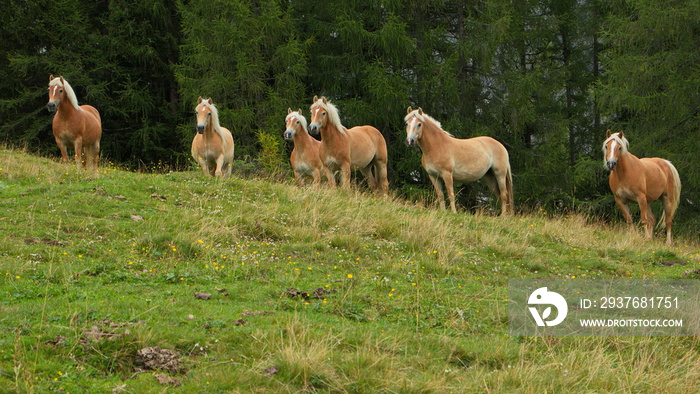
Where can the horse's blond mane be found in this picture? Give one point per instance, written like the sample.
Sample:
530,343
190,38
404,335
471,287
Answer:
423,117
332,113
301,118
69,90
620,140
214,116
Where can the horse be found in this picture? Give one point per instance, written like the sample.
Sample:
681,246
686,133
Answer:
641,181
304,158
78,126
212,146
342,149
460,160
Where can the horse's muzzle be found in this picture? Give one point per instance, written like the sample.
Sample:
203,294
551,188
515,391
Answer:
611,164
411,142
313,128
200,129
51,106
288,135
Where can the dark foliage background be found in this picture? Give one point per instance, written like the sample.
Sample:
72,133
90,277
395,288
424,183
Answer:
545,77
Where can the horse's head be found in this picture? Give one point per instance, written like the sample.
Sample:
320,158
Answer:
414,125
56,92
319,114
614,146
296,122
203,112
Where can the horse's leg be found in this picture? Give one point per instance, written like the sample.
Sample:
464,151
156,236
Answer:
504,198
330,175
496,189
219,165
438,189
88,159
371,181
203,164
317,178
64,149
625,210
382,179
95,155
449,185
650,219
668,219
79,154
298,177
345,174
226,169
647,217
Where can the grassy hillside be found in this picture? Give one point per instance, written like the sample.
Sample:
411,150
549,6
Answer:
248,285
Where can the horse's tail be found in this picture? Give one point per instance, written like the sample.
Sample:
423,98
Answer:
509,189
675,197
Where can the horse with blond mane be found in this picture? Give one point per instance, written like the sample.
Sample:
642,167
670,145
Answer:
212,146
641,181
304,158
342,149
460,160
77,126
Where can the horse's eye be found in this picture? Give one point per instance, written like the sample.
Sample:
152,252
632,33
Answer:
297,122
209,114
324,114
60,90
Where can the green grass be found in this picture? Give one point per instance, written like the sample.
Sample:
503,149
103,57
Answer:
412,298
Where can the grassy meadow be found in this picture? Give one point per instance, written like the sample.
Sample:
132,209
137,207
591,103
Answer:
247,285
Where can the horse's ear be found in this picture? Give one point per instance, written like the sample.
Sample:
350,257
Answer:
325,101
621,134
63,82
209,101
608,134
299,110
289,110
315,98
50,77
199,100
420,111
409,110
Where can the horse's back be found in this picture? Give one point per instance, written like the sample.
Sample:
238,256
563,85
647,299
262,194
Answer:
92,111
483,147
367,136
366,143
492,145
659,173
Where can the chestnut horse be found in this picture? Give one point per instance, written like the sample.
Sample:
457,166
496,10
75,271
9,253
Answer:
460,160
77,126
304,158
641,181
212,146
361,147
